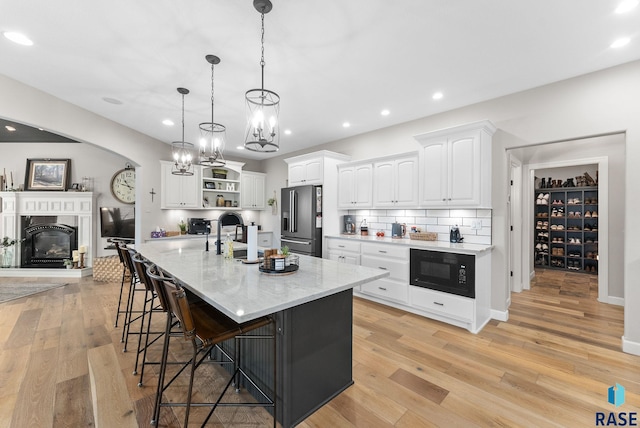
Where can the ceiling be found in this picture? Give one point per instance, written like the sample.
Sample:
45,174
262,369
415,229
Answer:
331,62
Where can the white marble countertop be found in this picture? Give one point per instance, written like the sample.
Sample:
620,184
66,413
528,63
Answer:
192,236
244,293
414,243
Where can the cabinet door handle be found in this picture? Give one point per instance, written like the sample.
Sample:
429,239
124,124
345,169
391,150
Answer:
383,268
444,199
340,246
382,288
438,303
382,251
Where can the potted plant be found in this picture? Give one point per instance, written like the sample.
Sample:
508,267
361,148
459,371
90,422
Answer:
273,203
67,263
7,251
183,227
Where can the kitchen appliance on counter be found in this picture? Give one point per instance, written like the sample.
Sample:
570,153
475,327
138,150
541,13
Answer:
454,235
301,220
447,272
198,226
349,225
398,230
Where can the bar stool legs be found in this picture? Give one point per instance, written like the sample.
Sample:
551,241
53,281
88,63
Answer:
206,328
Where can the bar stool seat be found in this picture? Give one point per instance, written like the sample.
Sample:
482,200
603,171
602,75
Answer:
206,327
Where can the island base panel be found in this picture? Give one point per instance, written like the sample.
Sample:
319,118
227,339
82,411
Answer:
315,355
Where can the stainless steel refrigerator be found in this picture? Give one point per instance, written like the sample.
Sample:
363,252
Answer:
301,220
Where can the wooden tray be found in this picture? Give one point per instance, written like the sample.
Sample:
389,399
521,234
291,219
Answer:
287,270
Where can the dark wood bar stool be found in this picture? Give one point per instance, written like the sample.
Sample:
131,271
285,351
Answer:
131,315
150,305
206,328
125,269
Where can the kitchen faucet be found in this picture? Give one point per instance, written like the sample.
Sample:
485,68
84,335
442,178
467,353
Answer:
226,219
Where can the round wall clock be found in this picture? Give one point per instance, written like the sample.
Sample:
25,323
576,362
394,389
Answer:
123,185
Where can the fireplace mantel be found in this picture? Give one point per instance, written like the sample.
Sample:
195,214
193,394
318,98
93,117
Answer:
79,204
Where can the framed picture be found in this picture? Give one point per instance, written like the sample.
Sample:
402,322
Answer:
75,186
47,174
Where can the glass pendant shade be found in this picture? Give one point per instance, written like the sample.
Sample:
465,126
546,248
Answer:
181,150
263,108
213,135
263,105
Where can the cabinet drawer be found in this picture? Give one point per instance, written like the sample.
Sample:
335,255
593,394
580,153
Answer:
447,304
386,289
398,269
344,245
265,240
381,250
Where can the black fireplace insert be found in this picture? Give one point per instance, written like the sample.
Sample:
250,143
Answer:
47,242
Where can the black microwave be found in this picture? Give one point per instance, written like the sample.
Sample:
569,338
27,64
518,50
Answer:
447,272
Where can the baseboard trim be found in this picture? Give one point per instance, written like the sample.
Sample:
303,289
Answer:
630,347
500,315
612,300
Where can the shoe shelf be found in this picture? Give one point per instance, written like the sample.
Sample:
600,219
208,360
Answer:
566,229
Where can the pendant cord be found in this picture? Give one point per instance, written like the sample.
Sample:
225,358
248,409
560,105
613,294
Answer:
183,121
262,63
212,103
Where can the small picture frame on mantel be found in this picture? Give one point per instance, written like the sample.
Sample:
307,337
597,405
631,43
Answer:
47,174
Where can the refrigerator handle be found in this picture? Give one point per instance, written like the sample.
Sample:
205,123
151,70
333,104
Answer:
293,221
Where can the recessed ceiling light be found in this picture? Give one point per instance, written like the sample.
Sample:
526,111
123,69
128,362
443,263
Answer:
385,112
346,125
626,5
620,42
111,100
437,95
287,132
10,128
240,147
18,38
168,122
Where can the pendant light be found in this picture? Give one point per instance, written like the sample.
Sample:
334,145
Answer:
181,150
263,105
213,134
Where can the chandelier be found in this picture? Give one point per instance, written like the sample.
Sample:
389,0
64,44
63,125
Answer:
213,134
263,105
181,150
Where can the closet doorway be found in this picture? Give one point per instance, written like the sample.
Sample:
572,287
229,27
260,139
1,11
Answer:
606,155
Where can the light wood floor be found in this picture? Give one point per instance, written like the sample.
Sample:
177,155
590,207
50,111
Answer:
61,364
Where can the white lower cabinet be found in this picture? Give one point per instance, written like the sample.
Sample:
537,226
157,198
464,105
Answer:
393,259
265,239
344,251
446,304
395,291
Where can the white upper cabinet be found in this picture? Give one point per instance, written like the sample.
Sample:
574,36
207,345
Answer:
253,190
306,172
355,186
456,166
395,182
179,191
312,168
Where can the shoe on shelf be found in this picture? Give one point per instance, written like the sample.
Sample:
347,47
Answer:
587,214
594,214
560,227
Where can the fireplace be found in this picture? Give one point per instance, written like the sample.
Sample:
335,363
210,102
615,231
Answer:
48,240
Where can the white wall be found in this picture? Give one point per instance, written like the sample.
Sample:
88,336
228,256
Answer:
593,104
83,164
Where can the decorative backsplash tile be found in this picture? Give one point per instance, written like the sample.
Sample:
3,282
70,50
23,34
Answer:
437,221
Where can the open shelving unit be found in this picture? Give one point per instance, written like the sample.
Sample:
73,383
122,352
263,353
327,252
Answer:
566,229
228,188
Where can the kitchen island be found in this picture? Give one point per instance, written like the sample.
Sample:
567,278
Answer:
312,308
